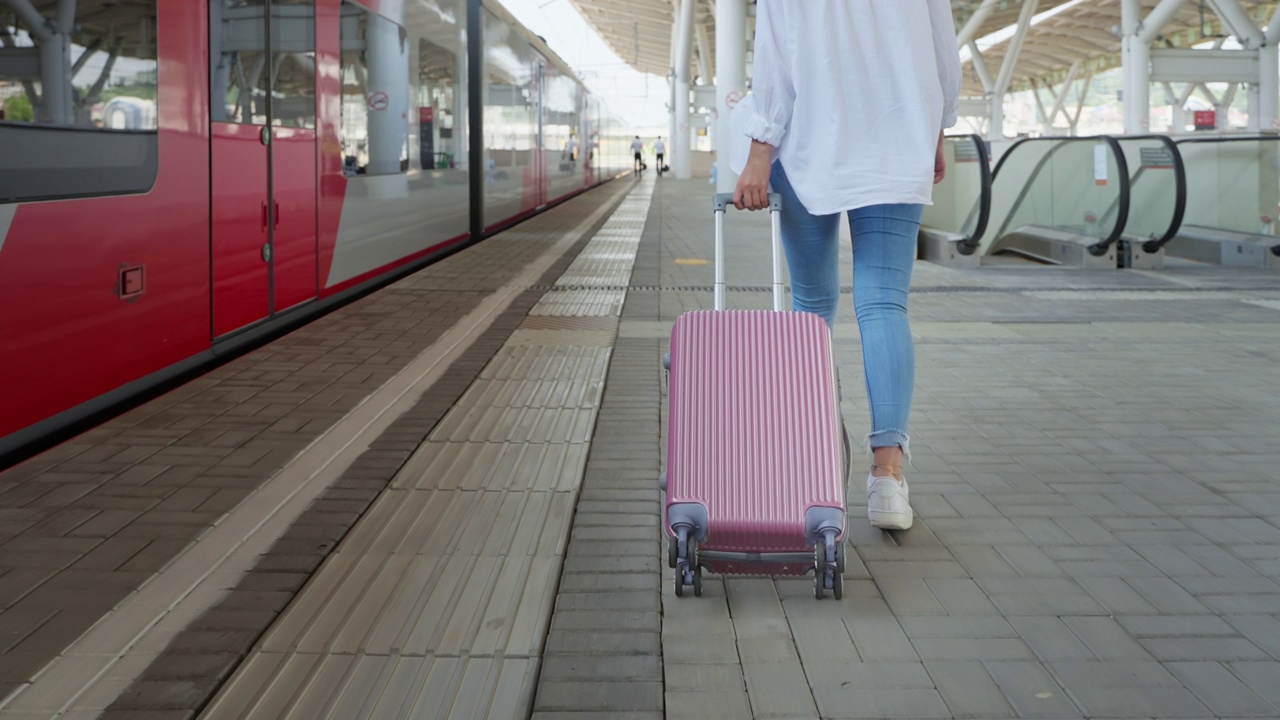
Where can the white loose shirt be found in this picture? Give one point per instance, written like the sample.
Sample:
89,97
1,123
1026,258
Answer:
659,147
852,94
637,145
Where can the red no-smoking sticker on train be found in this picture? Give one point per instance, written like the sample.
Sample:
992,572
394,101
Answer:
732,99
379,101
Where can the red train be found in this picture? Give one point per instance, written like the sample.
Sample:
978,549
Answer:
179,178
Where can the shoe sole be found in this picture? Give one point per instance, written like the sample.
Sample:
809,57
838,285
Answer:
890,520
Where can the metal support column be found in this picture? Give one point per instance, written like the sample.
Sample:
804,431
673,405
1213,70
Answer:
1133,66
731,79
1269,77
683,164
1138,34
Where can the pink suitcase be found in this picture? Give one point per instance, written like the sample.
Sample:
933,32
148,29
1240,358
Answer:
756,452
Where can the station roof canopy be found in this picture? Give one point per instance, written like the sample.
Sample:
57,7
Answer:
1067,31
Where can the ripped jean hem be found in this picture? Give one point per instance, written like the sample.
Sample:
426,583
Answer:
889,438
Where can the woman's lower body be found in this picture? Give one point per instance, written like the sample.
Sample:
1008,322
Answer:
884,251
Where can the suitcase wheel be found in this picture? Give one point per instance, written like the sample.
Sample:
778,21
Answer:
828,565
688,569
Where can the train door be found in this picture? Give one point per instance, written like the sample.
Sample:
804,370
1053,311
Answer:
263,158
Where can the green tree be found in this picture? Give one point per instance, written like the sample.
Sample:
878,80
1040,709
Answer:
18,109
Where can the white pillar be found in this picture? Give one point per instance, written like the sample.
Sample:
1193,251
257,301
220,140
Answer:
671,116
1178,118
1269,87
1223,107
1269,76
683,164
1138,34
1253,107
388,100
705,72
1130,23
731,80
1137,86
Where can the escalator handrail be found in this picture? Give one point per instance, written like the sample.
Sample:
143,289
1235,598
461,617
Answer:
970,245
1122,217
1153,245
1175,223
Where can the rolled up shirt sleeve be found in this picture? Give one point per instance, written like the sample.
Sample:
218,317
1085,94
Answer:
947,53
770,114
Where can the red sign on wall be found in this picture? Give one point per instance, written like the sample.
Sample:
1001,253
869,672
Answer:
1206,119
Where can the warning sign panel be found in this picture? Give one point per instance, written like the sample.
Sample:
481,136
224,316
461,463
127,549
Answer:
1157,158
1101,158
967,152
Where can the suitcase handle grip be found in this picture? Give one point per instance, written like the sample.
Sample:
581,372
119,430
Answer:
722,202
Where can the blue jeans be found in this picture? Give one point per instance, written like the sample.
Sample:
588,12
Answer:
884,250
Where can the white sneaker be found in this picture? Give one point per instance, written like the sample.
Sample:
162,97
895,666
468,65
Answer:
887,505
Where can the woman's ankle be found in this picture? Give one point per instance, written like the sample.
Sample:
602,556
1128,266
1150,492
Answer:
887,463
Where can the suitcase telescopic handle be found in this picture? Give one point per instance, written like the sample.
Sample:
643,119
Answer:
723,201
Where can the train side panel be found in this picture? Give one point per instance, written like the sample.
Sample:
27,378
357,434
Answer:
107,284
70,330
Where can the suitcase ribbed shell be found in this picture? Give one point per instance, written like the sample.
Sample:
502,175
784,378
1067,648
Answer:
754,429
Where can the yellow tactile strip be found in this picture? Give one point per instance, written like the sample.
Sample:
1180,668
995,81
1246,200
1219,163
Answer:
438,601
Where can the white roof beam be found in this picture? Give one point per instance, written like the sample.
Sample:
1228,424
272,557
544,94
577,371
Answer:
1272,33
980,65
1015,47
1066,86
975,22
705,73
36,24
1181,65
1084,93
1234,17
1160,16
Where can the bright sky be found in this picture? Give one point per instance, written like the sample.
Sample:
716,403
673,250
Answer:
638,98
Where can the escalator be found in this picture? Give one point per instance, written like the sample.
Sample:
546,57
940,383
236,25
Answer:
951,229
1051,202
1233,201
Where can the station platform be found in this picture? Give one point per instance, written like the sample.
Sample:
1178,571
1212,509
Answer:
441,501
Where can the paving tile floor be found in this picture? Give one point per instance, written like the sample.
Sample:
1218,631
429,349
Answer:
1096,481
92,524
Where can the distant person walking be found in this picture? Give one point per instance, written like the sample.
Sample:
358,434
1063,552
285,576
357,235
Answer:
637,147
660,149
848,104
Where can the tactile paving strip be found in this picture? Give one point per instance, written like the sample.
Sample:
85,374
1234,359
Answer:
595,283
437,603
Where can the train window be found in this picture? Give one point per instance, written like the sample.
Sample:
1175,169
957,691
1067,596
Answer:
238,58
510,119
293,47
441,141
375,93
252,91
77,99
